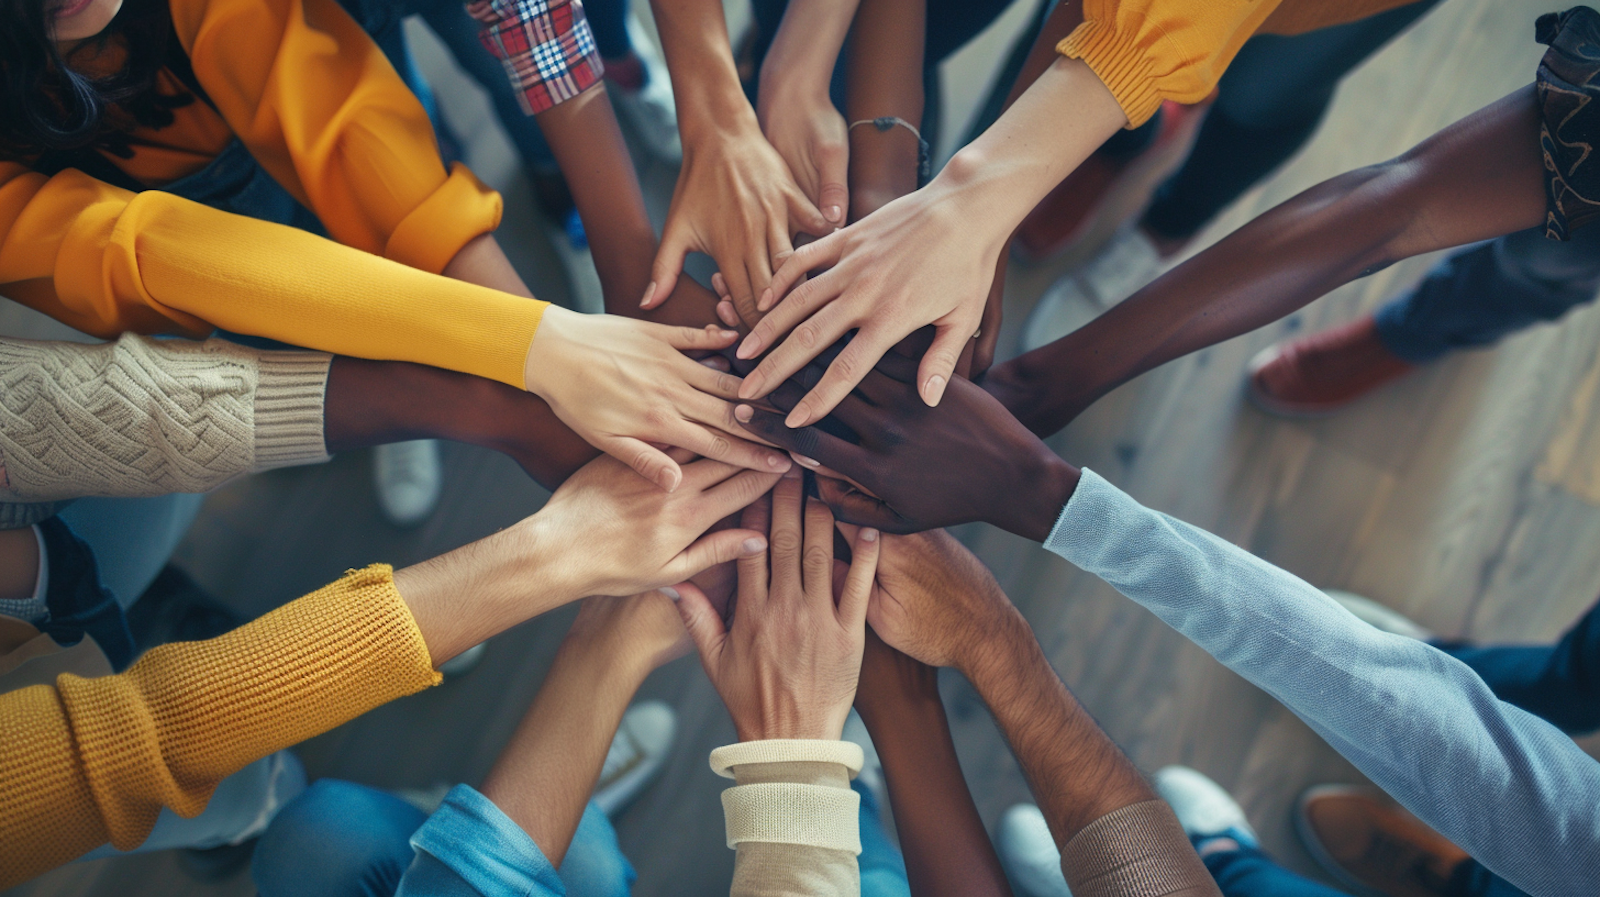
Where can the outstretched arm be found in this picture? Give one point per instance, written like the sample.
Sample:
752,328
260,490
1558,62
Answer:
1479,178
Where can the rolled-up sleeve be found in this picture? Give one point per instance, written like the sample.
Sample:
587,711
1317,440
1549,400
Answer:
546,47
468,847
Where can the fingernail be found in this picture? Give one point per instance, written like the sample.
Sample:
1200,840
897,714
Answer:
934,391
743,413
833,213
778,462
797,417
750,348
724,334
869,535
791,474
648,292
753,546
809,462
670,592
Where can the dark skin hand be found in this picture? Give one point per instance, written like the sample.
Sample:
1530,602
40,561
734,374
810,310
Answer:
946,848
966,459
1477,179
376,402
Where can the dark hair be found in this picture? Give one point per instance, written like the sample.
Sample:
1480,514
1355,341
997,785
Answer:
46,108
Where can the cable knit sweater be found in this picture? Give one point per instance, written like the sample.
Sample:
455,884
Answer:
147,417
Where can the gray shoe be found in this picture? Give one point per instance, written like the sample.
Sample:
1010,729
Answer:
650,112
1126,264
409,478
1029,854
1377,616
1204,808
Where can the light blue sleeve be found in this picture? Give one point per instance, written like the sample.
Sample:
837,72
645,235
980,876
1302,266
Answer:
469,848
1506,786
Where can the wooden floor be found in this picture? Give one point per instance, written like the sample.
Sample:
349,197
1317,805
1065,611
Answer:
1467,496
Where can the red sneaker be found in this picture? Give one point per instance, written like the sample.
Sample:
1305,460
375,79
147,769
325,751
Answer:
1104,187
1321,373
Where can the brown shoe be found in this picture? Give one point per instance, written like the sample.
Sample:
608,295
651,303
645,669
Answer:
1373,846
1323,372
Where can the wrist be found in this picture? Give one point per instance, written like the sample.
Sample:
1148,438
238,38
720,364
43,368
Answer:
1035,510
613,659
902,700
545,351
714,112
994,659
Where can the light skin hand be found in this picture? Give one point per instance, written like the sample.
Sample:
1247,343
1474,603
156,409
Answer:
927,258
627,387
787,667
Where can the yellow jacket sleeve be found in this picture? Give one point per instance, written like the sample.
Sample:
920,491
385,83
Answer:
107,261
95,760
323,111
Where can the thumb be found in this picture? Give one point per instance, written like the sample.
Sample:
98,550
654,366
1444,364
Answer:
804,217
716,548
939,362
667,266
651,463
700,618
833,166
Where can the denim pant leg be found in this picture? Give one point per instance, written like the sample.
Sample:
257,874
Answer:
1269,103
1249,872
132,538
1559,683
883,869
241,808
338,839
1479,294
1470,879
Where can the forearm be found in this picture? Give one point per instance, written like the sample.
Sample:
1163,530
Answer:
376,402
594,160
1480,178
885,79
946,848
484,263
546,773
805,48
705,82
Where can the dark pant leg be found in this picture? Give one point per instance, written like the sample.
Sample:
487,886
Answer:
1559,683
1269,103
1479,294
1470,879
1249,872
608,19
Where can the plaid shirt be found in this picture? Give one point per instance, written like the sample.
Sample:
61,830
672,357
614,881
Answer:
545,45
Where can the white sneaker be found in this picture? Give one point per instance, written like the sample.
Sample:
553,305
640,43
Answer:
1126,264
1377,616
871,777
1029,854
649,112
643,741
409,479
1204,808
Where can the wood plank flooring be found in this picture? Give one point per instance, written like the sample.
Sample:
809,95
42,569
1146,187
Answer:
1465,496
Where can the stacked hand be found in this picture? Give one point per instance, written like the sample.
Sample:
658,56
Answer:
627,388
787,665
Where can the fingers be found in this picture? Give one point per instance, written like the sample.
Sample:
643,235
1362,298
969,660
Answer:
650,462
738,491
757,516
851,506
668,265
717,548
858,582
833,167
805,301
809,339
939,363
709,338
717,445
701,619
842,376
786,537
805,217
852,460
818,558
793,270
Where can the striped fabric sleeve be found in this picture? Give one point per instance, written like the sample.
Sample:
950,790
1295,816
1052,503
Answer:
545,45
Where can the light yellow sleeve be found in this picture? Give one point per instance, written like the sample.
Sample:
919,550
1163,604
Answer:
1147,51
323,111
95,760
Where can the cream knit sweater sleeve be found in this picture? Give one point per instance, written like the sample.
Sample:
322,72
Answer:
140,416
792,818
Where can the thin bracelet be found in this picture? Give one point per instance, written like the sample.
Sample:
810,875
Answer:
885,122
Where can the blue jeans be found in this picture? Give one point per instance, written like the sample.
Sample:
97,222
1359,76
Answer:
340,839
1249,872
1481,293
1559,682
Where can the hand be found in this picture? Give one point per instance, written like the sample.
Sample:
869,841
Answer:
735,201
616,534
936,602
626,387
966,460
643,628
912,263
787,667
809,133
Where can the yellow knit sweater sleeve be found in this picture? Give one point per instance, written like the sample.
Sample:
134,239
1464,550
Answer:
107,261
95,760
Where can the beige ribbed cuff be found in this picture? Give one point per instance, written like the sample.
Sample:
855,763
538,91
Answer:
792,813
1137,851
786,750
289,408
